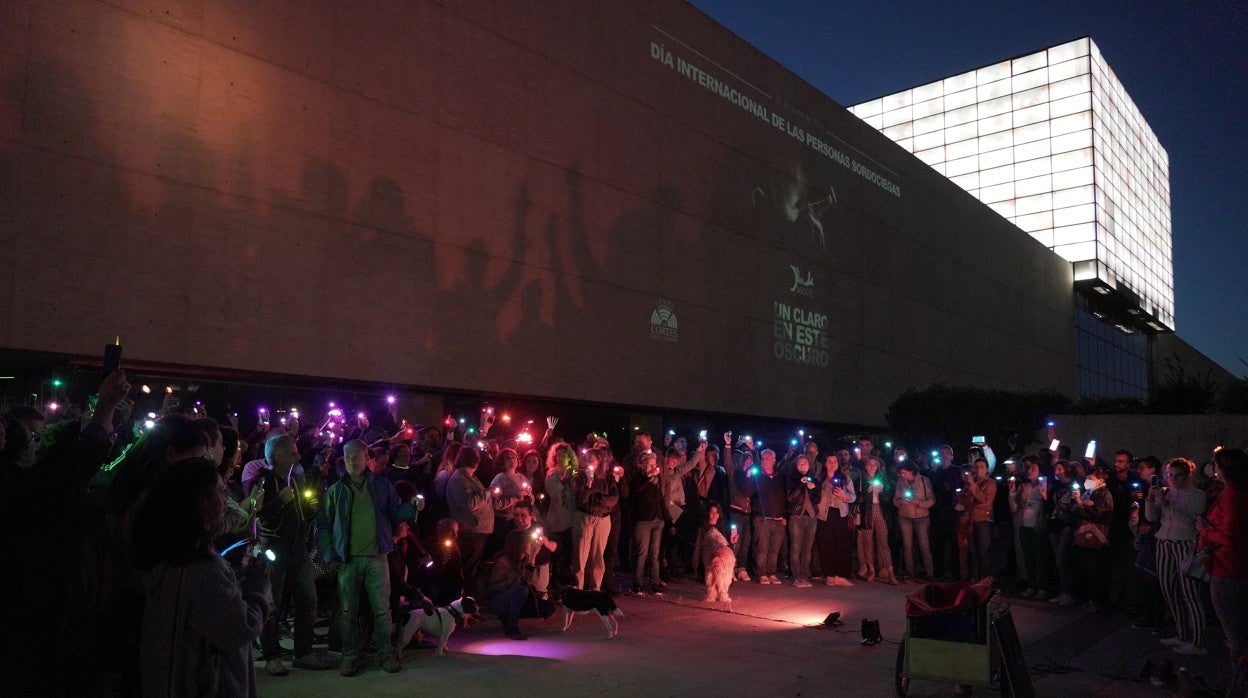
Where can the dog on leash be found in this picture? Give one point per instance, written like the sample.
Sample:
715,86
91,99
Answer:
720,574
576,601
440,624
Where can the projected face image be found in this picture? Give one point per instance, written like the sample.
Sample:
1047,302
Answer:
784,200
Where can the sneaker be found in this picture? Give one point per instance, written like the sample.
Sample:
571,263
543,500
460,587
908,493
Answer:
1191,650
311,661
1063,600
774,579
1173,642
390,664
842,582
276,667
349,667
801,583
764,579
1028,593
658,591
742,575
831,581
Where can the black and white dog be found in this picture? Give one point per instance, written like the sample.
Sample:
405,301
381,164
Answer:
601,602
441,624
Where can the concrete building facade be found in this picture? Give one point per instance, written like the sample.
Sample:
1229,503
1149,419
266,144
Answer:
620,204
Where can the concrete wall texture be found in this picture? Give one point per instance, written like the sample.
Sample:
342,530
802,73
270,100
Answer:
618,203
1165,436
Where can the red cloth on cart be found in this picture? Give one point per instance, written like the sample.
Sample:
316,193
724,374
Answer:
935,599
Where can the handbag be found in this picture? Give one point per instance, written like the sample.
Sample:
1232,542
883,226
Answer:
1197,565
1092,535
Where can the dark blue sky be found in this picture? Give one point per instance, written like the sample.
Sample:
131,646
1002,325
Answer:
1185,63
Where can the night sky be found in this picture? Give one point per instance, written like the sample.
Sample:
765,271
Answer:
1185,64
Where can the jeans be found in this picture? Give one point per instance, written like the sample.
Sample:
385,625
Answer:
801,541
373,575
770,535
293,584
647,538
513,603
1230,603
589,534
912,530
1062,541
745,531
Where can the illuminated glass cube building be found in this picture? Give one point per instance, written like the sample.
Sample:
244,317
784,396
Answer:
1052,141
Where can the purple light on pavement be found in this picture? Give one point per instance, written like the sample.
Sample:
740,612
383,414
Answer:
533,647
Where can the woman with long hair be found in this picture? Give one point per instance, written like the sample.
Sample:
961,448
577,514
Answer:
198,620
1175,507
834,540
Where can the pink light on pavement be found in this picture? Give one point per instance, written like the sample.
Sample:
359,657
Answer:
533,647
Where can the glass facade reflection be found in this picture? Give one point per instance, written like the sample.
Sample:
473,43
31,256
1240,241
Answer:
1109,362
1053,143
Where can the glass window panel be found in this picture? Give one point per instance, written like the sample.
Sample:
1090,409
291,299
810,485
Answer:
961,149
1073,196
1069,105
925,141
1032,168
869,108
996,158
928,91
953,134
995,124
929,107
1031,132
960,166
1029,63
992,73
932,155
1000,192
996,175
1041,220
993,90
1077,85
1028,151
1073,215
1033,185
1079,121
1031,115
993,107
1068,69
1030,97
874,121
958,83
1072,160
957,99
1032,204
1005,207
896,116
967,181
961,115
1071,141
932,123
1068,50
1077,252
897,99
902,130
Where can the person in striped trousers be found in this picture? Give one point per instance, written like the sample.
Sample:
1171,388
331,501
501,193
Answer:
1176,506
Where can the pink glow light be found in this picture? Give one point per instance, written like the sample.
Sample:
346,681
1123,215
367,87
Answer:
533,647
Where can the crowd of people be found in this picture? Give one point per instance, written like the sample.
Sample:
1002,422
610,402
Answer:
184,541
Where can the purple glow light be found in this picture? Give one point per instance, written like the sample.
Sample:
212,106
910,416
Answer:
533,647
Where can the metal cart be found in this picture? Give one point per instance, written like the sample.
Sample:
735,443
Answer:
971,647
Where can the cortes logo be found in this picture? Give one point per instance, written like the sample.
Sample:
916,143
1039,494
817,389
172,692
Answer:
663,324
803,287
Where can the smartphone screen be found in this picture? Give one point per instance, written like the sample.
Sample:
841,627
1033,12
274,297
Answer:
112,357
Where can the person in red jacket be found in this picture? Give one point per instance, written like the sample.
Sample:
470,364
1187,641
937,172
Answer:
1225,529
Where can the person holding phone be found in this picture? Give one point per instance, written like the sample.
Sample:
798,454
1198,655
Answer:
198,620
1175,508
1225,530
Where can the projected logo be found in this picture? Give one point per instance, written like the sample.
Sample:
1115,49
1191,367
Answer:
663,324
802,286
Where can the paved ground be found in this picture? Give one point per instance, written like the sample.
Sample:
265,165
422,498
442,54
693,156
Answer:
771,643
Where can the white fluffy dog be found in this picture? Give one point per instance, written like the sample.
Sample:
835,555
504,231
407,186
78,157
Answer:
719,576
440,625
